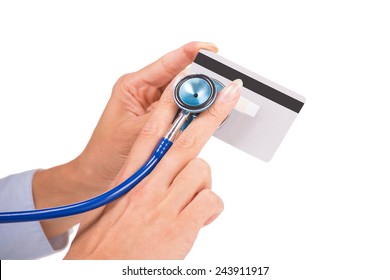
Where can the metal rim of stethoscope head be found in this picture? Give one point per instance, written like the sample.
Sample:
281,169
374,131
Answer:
195,93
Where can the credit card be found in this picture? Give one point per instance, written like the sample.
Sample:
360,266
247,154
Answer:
264,113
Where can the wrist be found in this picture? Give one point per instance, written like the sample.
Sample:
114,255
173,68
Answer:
89,176
59,185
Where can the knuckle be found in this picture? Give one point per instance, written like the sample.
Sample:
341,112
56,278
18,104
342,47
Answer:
122,79
193,222
126,82
149,130
167,97
214,114
185,141
167,65
201,167
213,117
190,49
211,200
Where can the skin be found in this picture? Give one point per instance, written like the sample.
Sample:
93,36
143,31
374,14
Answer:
161,217
134,97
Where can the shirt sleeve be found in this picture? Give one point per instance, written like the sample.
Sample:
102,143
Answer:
24,240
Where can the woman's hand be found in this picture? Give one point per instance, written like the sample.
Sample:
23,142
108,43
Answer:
133,98
161,217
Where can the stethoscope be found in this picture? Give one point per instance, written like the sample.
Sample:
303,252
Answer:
193,94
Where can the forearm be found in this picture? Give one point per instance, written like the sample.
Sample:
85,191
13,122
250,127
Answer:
61,185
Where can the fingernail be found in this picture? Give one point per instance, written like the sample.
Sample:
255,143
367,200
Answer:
231,92
213,46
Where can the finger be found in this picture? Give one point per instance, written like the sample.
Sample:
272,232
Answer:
195,177
152,107
152,131
168,66
204,208
190,142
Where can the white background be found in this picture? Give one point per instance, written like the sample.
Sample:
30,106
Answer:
319,210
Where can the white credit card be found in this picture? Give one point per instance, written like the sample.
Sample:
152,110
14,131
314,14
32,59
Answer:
264,112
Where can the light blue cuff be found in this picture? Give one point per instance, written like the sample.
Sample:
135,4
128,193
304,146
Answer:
24,240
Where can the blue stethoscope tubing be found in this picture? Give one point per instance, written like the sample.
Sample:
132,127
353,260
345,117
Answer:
193,94
93,203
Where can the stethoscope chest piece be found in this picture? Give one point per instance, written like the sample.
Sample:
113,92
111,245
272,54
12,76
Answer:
195,93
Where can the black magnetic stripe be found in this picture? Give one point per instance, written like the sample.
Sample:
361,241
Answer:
250,83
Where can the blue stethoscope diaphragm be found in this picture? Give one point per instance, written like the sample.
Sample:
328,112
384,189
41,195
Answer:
196,93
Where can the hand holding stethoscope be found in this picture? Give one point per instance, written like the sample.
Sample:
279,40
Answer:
193,94
161,217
